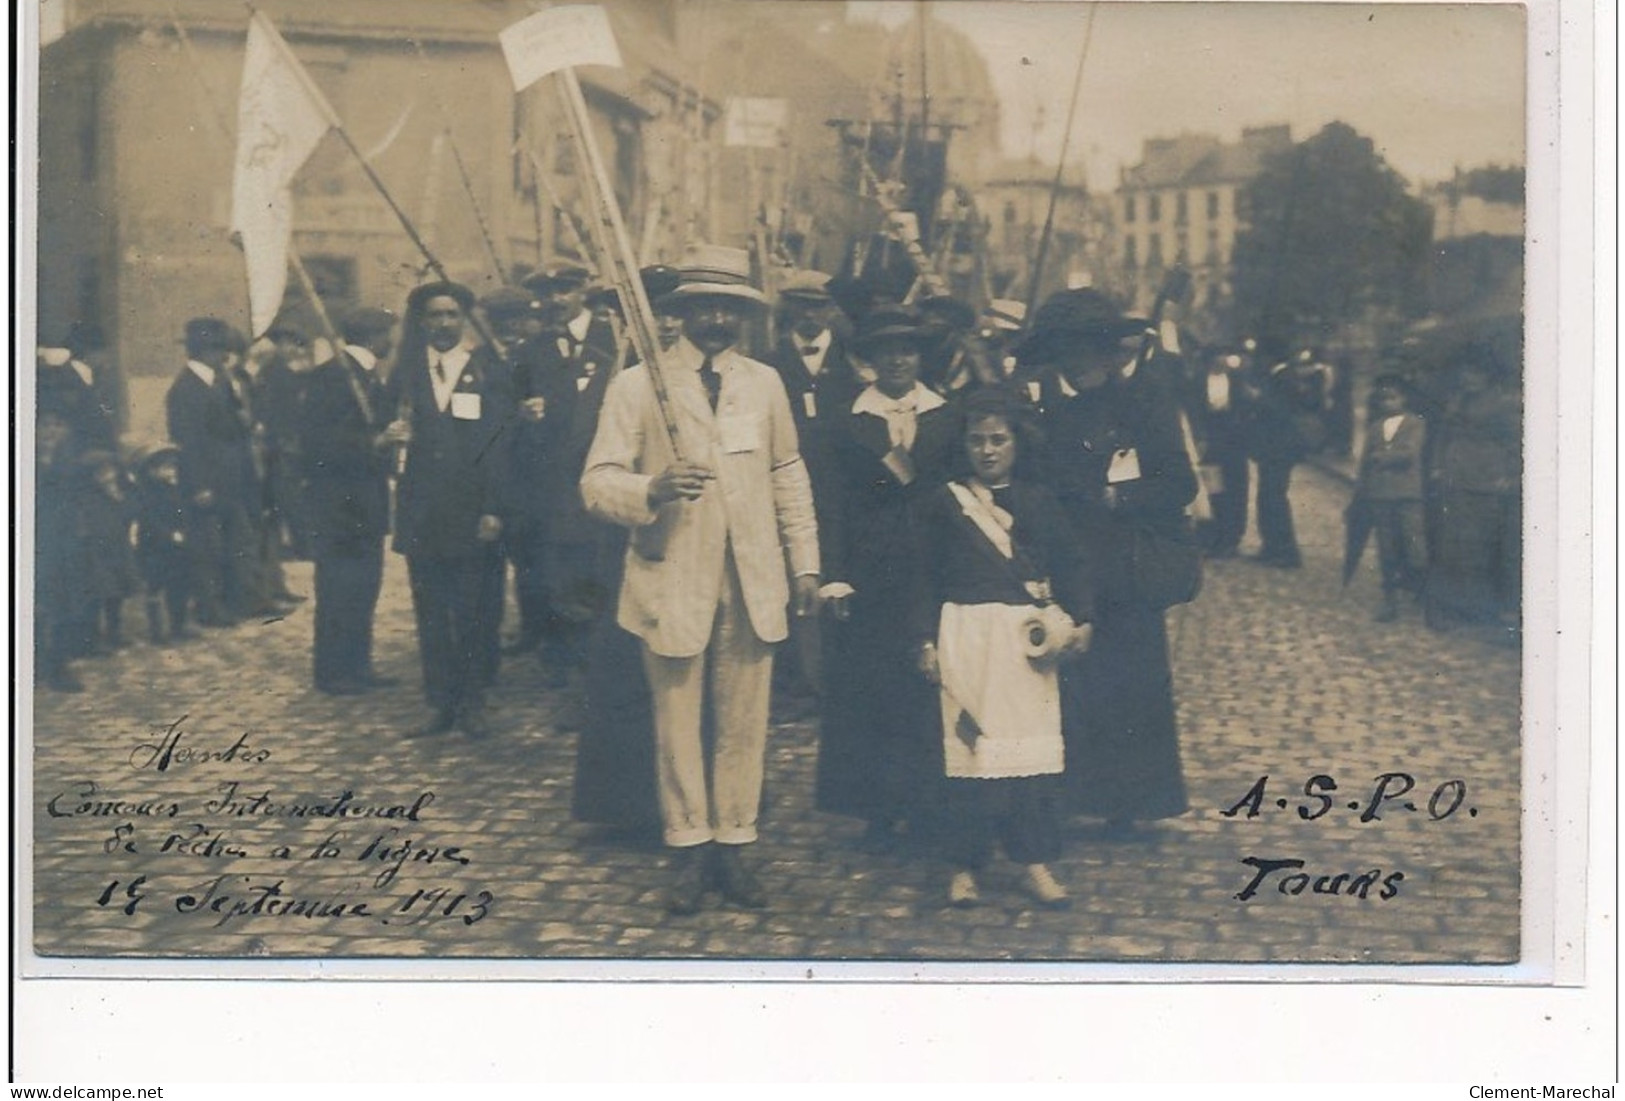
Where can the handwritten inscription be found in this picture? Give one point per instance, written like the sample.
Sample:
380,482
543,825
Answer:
1444,800
1395,794
232,851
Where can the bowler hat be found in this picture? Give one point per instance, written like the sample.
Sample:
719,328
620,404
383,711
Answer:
1067,319
949,309
363,324
209,334
509,302
716,271
559,279
420,296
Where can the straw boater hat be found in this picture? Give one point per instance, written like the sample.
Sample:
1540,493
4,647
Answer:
716,271
1005,315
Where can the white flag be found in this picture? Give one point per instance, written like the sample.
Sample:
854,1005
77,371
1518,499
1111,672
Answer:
279,123
558,38
756,123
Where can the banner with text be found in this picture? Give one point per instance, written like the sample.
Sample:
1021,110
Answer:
559,38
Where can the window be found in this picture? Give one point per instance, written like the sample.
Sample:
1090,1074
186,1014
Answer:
1130,253
1182,211
1153,251
1009,212
1213,246
1212,204
1128,208
1153,208
1183,246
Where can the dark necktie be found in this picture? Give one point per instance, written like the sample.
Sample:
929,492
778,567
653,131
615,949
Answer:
712,380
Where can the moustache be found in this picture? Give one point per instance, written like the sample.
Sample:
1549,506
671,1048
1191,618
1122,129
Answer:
715,329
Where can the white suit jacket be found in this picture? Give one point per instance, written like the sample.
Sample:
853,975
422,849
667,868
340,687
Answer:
760,503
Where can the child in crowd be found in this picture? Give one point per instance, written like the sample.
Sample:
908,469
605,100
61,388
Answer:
1390,488
161,547
110,574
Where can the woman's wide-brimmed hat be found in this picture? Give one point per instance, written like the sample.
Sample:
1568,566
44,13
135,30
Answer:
888,325
1073,318
716,271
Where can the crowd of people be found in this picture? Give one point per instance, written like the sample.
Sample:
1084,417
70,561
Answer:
952,538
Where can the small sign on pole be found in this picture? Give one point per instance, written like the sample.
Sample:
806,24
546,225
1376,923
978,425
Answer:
558,38
756,123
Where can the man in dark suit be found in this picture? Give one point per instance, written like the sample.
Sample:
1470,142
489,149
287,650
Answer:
571,365
209,423
1218,402
279,397
454,407
822,383
347,460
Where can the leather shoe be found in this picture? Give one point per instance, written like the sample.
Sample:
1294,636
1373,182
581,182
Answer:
442,723
739,884
471,721
1042,888
962,890
687,893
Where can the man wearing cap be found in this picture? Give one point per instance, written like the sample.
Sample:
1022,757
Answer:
208,421
821,383
347,462
568,366
517,317
279,396
1219,403
705,586
453,406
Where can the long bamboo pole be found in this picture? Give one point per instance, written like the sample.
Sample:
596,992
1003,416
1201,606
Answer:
1037,280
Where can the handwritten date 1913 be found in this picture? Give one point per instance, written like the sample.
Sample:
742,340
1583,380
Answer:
1386,792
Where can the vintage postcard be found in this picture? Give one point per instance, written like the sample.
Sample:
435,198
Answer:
1111,539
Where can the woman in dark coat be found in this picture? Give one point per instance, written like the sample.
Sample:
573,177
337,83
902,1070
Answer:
877,745
1118,464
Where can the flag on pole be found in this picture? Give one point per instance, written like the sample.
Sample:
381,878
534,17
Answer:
558,38
280,121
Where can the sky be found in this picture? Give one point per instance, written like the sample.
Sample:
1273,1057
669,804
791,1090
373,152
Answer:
1434,85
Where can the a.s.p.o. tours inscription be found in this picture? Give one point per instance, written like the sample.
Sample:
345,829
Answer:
1322,798
203,829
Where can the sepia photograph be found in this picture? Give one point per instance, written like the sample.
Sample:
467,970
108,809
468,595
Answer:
646,487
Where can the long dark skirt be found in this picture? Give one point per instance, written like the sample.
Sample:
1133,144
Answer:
615,758
879,751
1117,717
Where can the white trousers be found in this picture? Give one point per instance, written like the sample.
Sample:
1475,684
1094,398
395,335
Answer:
716,796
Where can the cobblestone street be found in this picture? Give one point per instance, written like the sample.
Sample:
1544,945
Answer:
1280,674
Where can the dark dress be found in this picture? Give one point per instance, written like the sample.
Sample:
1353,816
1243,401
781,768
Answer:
1122,739
960,566
878,740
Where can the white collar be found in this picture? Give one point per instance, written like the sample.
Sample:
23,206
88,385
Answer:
921,399
580,324
364,357
82,369
453,359
202,371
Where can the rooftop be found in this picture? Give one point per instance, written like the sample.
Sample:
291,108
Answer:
1196,160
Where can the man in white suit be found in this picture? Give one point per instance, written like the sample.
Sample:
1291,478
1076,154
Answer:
706,586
